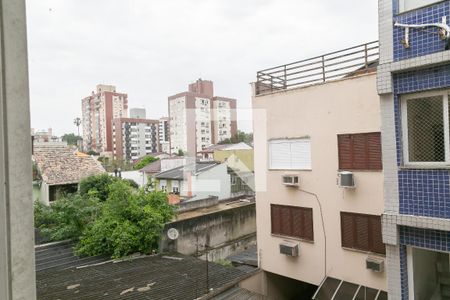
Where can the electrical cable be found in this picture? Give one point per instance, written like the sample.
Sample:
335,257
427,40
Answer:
323,227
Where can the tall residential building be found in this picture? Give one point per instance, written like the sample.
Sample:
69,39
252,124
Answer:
413,84
164,135
199,119
98,111
134,137
319,180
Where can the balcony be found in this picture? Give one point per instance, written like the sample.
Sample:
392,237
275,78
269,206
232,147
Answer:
336,65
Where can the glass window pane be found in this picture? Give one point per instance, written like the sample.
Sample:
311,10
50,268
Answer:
346,291
366,293
406,5
382,296
327,289
426,130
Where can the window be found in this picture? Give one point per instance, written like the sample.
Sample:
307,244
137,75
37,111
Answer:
362,232
405,5
292,221
361,151
425,124
290,154
233,180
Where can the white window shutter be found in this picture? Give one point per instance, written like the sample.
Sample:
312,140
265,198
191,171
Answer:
279,154
301,154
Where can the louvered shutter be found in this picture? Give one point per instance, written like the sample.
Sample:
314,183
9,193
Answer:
362,232
297,222
359,144
276,219
345,152
347,230
279,155
374,147
308,228
301,154
376,235
286,221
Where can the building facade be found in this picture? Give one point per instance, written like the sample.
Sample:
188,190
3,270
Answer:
317,238
413,83
198,119
98,111
134,138
164,135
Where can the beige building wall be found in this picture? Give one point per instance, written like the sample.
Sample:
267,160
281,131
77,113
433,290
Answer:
322,112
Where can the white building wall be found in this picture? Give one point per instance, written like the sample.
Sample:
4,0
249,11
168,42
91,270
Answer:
178,124
213,182
222,119
203,122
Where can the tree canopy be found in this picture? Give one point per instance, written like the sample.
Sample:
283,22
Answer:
71,138
144,161
107,216
238,138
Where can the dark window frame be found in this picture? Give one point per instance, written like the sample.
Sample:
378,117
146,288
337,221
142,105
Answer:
303,216
373,240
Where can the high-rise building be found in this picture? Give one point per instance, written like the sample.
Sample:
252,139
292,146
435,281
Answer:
98,111
413,84
164,135
198,119
134,137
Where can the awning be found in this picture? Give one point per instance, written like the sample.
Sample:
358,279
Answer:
337,289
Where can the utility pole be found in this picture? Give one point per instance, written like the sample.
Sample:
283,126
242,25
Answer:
77,122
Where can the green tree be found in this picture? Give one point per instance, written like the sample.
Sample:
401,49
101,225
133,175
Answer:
66,218
71,138
180,152
144,161
97,186
131,221
238,138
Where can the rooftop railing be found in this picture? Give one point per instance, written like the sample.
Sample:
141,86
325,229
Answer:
331,66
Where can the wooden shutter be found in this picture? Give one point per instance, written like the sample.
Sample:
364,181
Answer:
276,219
376,235
360,151
347,229
292,221
362,232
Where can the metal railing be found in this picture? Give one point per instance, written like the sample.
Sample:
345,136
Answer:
331,66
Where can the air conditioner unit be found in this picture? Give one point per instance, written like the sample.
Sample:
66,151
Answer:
289,249
346,179
375,264
290,180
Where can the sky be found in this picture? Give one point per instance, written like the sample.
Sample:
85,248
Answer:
153,49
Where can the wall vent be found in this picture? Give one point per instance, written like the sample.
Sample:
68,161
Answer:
289,249
346,179
375,264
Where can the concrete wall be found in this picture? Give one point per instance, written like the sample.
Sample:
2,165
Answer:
17,272
321,112
224,231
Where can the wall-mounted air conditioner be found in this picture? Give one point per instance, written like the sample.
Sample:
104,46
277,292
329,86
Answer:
375,264
289,249
290,180
346,179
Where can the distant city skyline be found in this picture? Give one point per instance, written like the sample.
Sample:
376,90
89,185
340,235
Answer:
152,49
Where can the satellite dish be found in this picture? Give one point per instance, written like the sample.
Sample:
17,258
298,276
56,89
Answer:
172,234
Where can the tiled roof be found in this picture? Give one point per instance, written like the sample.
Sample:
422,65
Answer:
62,165
178,173
152,277
153,167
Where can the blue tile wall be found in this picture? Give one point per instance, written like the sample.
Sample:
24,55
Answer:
421,192
404,272
422,41
436,240
424,193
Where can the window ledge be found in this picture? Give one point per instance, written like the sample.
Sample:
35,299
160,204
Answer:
290,170
291,238
363,251
424,167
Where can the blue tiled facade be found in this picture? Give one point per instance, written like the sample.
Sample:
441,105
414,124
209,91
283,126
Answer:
422,42
422,192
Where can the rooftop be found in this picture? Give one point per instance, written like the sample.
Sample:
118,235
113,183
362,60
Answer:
178,173
149,277
237,146
62,165
340,64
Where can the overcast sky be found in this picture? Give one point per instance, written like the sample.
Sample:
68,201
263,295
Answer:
152,49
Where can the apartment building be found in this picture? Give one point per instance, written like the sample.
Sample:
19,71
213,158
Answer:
164,135
319,180
135,137
98,111
414,84
199,119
